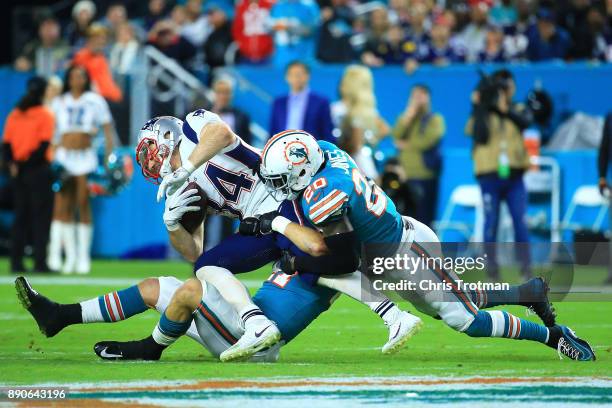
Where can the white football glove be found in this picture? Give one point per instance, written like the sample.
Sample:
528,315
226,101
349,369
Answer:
172,182
177,205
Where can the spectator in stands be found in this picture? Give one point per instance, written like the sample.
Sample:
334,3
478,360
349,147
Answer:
165,37
603,166
220,38
418,30
116,15
124,50
377,51
197,28
27,134
83,14
237,120
361,126
474,34
156,11
573,18
47,54
336,32
80,114
441,50
399,12
302,108
250,32
504,14
515,40
92,57
418,132
546,40
494,50
602,35
500,160
294,24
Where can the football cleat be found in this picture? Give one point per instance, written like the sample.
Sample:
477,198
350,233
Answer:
536,291
258,335
44,311
401,330
126,350
573,347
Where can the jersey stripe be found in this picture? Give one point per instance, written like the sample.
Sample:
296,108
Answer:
190,133
244,155
334,193
330,210
331,201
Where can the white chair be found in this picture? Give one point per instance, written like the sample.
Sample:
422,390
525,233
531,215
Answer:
466,196
590,197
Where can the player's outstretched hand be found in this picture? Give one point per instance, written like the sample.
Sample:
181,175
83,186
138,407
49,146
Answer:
172,182
177,205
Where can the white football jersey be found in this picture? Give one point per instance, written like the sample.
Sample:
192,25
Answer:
228,179
83,115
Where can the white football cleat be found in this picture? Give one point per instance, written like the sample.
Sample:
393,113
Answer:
83,266
258,334
401,330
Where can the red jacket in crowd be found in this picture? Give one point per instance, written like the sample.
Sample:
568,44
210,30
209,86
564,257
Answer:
250,29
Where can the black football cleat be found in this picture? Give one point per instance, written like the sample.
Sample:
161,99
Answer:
128,350
574,347
535,291
44,311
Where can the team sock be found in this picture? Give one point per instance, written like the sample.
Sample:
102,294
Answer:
168,331
112,307
250,312
503,324
386,310
491,298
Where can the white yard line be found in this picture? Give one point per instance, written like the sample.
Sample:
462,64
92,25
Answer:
91,281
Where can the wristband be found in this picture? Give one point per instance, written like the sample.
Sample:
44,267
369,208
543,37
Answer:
188,166
279,224
172,227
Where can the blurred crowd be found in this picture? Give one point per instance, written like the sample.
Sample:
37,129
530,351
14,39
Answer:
203,34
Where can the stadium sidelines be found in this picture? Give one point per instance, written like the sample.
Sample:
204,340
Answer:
331,392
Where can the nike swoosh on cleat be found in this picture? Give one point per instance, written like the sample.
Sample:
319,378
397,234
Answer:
397,332
103,353
261,332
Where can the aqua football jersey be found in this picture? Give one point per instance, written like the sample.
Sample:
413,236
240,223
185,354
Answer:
340,189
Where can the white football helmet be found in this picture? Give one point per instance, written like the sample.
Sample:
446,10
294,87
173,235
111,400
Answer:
156,141
289,161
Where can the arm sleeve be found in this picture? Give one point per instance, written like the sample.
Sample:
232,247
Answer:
603,158
326,206
343,258
198,120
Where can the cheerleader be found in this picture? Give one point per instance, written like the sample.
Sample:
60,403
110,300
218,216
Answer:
79,113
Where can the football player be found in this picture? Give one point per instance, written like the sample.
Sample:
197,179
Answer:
193,307
204,149
332,193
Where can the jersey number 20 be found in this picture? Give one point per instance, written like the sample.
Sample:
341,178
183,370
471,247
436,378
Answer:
375,198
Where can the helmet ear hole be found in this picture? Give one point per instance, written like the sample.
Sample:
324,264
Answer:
302,172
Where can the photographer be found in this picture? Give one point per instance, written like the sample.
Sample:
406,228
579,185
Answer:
500,158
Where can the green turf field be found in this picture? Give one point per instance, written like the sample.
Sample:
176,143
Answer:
343,342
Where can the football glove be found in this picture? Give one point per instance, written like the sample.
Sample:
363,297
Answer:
177,205
286,263
173,181
249,226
